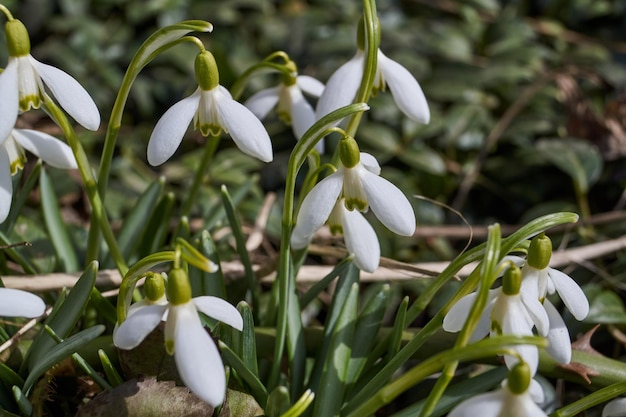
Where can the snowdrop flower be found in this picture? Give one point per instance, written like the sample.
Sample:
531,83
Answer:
12,158
212,109
506,313
18,303
292,107
360,187
197,358
539,280
22,84
517,398
615,408
342,86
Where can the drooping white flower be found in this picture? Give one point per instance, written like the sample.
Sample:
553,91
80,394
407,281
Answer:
358,188
513,399
212,109
12,158
615,408
18,303
506,313
343,85
291,105
197,358
23,82
359,235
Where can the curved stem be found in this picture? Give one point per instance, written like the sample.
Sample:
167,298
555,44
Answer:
90,184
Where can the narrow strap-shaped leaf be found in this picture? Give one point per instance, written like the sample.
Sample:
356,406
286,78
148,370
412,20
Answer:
217,213
109,370
315,290
333,382
235,225
23,403
65,317
342,290
157,227
366,333
57,229
61,351
257,389
398,327
248,339
135,224
278,402
9,376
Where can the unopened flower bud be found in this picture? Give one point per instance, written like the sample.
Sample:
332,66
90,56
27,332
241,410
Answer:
18,41
512,280
349,152
154,287
207,75
540,252
519,378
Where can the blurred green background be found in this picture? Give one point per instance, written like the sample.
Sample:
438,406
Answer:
527,99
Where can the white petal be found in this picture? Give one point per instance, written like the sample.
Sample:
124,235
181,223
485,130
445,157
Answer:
341,87
388,203
572,295
484,322
137,326
170,129
483,405
315,209
560,347
537,313
50,149
310,85
74,99
302,114
370,163
615,408
263,102
512,324
361,240
6,185
219,309
8,100
245,129
536,392
455,318
197,359
406,91
17,303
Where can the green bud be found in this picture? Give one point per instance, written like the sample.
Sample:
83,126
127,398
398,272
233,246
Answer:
512,280
18,41
178,288
349,152
519,378
207,75
540,252
154,286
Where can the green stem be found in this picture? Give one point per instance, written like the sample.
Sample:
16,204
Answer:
371,62
91,187
484,349
152,47
237,88
598,397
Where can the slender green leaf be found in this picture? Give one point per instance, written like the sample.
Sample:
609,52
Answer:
315,290
109,370
23,403
61,351
248,339
334,378
9,376
63,320
257,389
57,228
278,402
20,198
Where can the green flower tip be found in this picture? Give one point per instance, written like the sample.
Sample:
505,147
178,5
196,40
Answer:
178,288
207,75
154,286
519,378
18,41
540,252
512,280
349,152
291,73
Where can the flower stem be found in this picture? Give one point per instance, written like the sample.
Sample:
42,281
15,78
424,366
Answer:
90,184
